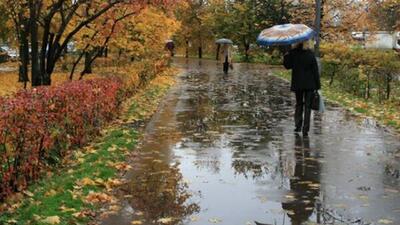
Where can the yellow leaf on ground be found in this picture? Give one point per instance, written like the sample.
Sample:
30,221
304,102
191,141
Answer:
79,215
122,166
66,209
385,221
28,193
51,220
214,220
136,222
165,220
86,182
194,218
94,197
12,221
139,213
50,193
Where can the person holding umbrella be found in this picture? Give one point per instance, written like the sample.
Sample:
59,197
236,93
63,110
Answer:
226,53
301,60
170,46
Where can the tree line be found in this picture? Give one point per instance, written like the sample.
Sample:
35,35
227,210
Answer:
242,20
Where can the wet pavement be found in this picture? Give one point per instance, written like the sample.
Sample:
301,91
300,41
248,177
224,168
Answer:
221,150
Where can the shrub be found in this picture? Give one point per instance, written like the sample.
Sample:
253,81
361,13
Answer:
364,72
39,126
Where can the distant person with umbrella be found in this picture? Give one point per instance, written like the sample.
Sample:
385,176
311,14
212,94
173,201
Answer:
226,53
170,46
301,60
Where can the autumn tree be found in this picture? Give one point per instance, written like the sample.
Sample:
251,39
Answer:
45,28
386,14
193,16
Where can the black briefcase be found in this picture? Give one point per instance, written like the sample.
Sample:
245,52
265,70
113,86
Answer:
315,100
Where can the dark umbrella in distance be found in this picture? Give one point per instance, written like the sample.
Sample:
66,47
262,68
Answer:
170,45
224,41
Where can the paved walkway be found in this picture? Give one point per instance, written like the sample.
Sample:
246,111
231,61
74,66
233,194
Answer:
221,150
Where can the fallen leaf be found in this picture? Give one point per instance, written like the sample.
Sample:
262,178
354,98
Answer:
86,182
263,199
50,193
139,213
111,183
79,215
66,209
28,193
165,220
12,221
115,208
290,212
214,220
136,222
385,221
391,190
194,218
122,166
51,220
94,197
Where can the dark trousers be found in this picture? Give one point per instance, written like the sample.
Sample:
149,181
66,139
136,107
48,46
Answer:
303,104
226,65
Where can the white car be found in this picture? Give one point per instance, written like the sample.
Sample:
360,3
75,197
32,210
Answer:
12,53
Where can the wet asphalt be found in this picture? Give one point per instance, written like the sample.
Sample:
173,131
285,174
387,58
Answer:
221,150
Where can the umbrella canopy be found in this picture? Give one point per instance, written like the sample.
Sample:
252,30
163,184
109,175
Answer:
285,34
224,41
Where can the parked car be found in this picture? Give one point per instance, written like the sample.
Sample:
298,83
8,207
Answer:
4,57
12,53
378,39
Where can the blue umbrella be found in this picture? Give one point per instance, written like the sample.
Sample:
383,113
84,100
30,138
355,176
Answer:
285,34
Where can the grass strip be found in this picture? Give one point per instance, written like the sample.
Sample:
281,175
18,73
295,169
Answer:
385,113
74,192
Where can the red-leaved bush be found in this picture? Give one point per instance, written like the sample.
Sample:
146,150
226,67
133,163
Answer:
38,127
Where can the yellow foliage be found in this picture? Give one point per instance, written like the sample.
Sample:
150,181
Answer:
145,34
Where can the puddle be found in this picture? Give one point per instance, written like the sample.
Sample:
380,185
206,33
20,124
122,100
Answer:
221,150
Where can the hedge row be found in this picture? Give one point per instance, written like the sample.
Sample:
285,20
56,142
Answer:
367,73
40,126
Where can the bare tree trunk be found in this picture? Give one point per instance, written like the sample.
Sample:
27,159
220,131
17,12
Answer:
24,54
200,52
187,49
71,75
246,51
87,65
388,86
368,88
218,49
35,70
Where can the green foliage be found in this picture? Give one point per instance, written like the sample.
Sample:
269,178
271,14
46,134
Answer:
240,21
385,112
363,72
260,56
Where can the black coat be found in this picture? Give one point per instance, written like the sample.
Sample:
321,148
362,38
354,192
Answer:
305,75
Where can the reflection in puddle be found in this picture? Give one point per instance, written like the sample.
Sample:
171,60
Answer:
159,192
304,185
221,150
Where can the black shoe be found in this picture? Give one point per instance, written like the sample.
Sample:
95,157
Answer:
305,134
297,130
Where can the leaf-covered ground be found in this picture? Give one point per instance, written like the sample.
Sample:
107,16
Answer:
385,113
72,194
